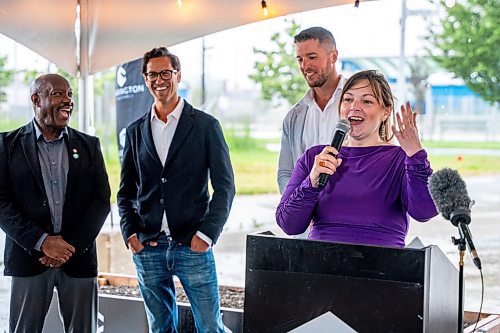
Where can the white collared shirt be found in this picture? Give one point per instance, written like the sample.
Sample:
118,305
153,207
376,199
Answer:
320,124
163,133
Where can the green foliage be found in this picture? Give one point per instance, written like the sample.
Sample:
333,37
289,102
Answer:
278,73
6,77
30,75
239,138
469,38
102,79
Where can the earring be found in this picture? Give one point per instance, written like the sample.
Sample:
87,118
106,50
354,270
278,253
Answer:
383,134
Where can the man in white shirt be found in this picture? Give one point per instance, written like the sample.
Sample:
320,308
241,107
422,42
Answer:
312,120
168,219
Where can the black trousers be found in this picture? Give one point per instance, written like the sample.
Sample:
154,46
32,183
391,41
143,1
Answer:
31,297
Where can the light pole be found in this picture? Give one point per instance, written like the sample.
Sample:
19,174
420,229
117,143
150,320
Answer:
401,82
203,89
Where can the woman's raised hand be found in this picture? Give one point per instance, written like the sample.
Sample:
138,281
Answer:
407,131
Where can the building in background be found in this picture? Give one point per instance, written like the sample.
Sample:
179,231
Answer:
450,110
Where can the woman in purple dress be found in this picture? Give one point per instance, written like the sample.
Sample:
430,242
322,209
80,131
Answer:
374,185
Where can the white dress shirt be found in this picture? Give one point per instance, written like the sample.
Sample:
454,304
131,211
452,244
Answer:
163,133
319,125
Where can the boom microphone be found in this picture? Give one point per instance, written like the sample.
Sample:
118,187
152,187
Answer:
341,130
449,192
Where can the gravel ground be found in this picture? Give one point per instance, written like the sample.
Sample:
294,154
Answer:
231,297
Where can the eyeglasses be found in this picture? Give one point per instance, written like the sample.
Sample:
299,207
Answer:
165,74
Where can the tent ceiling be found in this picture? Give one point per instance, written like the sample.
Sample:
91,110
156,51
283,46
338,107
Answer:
116,31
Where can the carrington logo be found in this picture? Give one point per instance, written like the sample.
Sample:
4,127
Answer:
121,76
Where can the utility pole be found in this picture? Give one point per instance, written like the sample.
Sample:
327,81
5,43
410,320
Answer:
402,58
401,83
203,92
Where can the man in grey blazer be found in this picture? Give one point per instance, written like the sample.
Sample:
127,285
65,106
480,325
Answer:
168,219
54,199
312,120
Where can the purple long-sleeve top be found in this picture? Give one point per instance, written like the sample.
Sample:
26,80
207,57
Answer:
368,200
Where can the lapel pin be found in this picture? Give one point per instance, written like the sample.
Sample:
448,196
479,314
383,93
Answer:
75,154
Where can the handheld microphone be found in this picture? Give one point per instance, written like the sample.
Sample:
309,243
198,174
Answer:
449,192
341,130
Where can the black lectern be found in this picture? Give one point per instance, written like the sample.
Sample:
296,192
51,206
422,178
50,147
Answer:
294,284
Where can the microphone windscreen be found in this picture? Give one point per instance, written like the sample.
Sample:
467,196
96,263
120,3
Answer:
343,125
449,192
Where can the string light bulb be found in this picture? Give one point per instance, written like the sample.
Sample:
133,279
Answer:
264,7
179,3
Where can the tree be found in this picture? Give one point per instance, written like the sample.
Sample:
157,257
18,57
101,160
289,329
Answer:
6,77
278,74
469,37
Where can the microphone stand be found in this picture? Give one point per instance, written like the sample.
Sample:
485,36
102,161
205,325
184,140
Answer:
460,242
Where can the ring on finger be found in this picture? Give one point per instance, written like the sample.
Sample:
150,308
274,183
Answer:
322,163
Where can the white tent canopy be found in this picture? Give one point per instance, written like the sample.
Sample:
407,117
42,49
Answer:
84,37
111,32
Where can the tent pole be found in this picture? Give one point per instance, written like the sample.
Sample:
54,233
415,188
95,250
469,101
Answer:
85,82
86,104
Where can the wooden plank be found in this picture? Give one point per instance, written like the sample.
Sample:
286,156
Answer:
471,317
117,279
492,327
490,324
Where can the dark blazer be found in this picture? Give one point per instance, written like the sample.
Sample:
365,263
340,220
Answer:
24,210
180,188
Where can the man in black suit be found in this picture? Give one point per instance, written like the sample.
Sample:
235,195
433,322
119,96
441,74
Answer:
54,199
167,217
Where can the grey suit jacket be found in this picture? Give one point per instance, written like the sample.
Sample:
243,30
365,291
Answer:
291,142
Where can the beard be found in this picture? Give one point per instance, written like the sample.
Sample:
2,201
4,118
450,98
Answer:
319,82
323,76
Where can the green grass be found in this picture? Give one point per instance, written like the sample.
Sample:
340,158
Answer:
467,165
254,167
113,168
462,144
255,171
